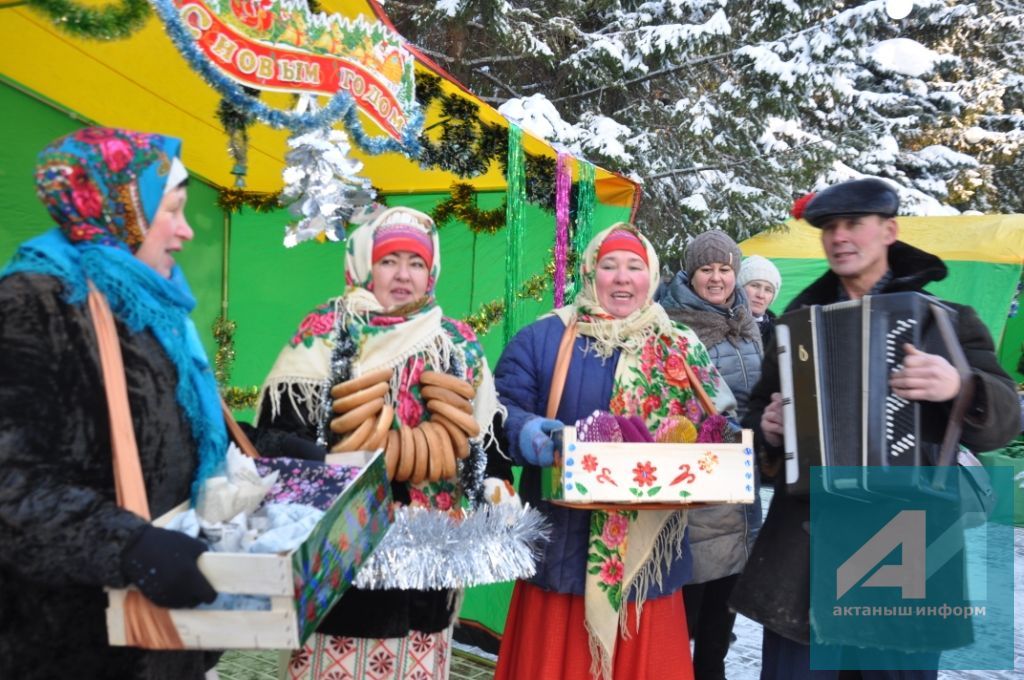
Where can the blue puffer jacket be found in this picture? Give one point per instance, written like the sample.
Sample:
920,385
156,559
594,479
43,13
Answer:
722,536
523,377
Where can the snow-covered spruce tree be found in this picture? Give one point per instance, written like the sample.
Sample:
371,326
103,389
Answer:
727,110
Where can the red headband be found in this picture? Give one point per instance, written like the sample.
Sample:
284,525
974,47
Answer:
392,238
623,240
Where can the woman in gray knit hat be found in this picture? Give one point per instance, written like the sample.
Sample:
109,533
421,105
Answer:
705,297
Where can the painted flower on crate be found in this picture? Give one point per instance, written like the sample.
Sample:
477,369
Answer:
418,498
615,530
708,462
343,542
643,474
589,463
612,571
443,501
362,515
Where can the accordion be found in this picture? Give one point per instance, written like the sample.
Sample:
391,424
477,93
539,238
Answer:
838,409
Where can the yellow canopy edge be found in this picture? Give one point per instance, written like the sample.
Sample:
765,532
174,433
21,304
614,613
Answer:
145,84
974,238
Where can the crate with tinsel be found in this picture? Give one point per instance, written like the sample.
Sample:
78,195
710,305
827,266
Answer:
650,474
301,585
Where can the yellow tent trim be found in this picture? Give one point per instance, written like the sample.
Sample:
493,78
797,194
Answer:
144,83
975,238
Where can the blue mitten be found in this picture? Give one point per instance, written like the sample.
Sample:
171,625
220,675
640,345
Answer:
535,443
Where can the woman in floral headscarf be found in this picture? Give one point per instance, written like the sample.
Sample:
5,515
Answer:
118,200
387,319
605,601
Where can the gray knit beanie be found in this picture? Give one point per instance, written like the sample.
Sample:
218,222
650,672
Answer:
711,246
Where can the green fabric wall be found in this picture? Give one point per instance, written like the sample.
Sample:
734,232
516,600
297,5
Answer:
989,288
29,126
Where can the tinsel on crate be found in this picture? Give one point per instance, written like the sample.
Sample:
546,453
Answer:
322,184
429,550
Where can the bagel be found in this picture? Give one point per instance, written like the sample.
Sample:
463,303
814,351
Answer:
406,454
465,421
355,384
381,427
355,439
346,404
355,417
449,382
447,396
448,452
422,459
459,439
434,451
391,453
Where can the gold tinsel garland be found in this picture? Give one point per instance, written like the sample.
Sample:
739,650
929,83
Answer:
232,200
492,312
462,206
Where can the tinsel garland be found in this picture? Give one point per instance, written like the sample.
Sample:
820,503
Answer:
114,21
224,359
585,197
236,125
431,550
515,218
492,312
467,145
462,206
232,200
341,105
323,188
563,183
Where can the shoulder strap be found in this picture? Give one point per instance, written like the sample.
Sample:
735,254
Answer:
146,625
562,362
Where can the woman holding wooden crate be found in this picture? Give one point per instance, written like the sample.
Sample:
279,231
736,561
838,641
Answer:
381,367
118,200
604,603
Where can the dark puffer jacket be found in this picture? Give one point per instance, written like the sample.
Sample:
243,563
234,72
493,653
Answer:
774,589
61,530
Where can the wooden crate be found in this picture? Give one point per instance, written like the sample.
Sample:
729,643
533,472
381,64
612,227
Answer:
302,584
650,475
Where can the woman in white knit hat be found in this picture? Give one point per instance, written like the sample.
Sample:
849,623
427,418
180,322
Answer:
762,282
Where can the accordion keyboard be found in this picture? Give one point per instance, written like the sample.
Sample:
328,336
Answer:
900,426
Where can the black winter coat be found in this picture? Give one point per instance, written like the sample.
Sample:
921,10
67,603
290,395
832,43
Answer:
774,589
61,530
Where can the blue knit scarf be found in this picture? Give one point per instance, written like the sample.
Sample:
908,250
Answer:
142,300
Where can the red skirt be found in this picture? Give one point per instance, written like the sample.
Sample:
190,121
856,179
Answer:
545,639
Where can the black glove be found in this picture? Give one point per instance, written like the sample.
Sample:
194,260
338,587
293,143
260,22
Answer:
274,443
163,564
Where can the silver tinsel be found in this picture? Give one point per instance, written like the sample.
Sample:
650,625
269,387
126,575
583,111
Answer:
428,550
322,186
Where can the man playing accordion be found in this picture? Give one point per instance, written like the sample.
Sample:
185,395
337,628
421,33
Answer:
859,234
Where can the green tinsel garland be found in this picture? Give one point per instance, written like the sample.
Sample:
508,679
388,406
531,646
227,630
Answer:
584,227
462,206
515,220
238,398
111,22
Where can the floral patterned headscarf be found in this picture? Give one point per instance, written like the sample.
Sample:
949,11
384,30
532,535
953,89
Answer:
103,186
